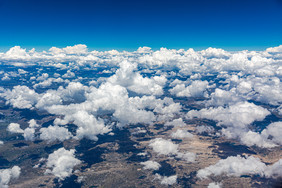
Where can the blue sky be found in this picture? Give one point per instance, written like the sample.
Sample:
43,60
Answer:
128,24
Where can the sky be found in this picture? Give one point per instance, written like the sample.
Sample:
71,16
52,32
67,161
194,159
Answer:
129,24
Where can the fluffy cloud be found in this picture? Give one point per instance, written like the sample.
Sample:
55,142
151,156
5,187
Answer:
195,89
126,77
214,185
76,49
53,133
7,174
14,128
170,180
181,134
20,97
167,147
150,165
29,134
275,49
176,122
61,162
238,115
269,137
237,166
164,147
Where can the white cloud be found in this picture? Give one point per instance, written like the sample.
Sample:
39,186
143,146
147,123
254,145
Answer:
7,174
33,124
150,165
176,122
215,185
20,97
238,115
163,147
181,134
76,49
187,156
195,89
237,166
167,147
204,129
170,180
53,133
29,134
61,162
14,128
274,170
269,137
275,49
126,77
16,53
234,166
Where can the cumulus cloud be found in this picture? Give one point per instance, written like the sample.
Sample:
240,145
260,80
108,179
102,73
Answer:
20,97
275,49
195,89
234,119
237,166
29,134
126,77
16,52
53,133
61,162
163,147
176,122
215,185
204,129
269,137
137,85
181,134
76,49
170,180
7,174
150,165
15,128
167,147
238,115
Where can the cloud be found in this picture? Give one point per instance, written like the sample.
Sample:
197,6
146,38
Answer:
268,138
215,185
204,129
181,134
16,53
53,133
126,77
20,97
7,174
275,49
170,180
234,119
61,162
163,147
237,166
29,134
238,115
195,89
150,165
167,147
76,49
14,128
176,123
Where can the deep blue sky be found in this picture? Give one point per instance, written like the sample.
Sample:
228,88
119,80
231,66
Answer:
128,24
